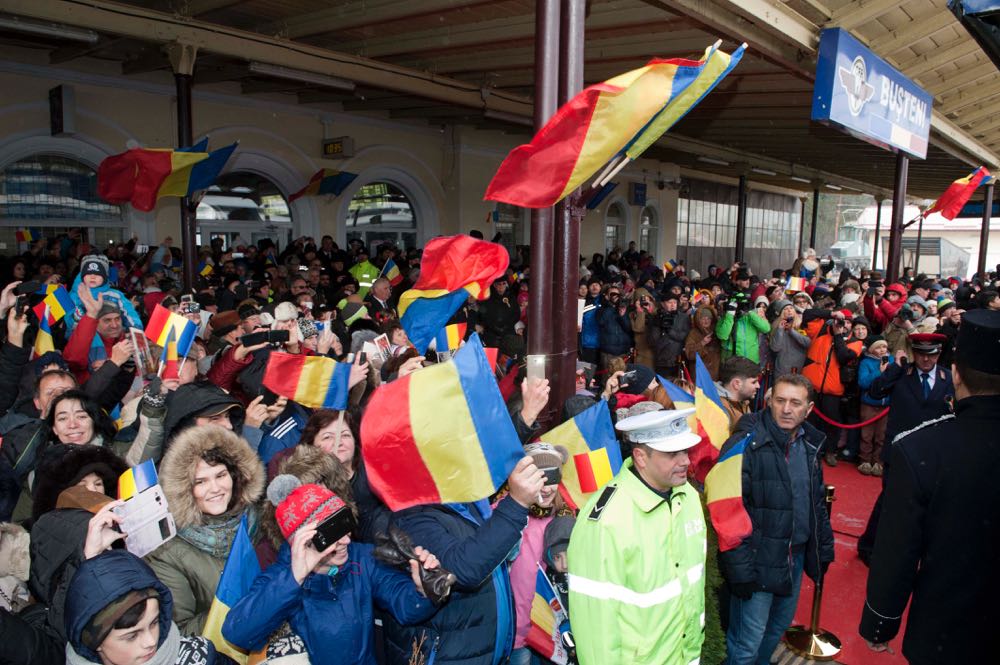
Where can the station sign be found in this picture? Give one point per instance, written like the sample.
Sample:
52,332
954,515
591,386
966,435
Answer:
863,95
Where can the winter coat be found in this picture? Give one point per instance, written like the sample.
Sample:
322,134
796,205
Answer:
789,348
644,353
82,346
497,315
898,339
711,354
13,360
106,578
741,337
667,337
882,312
285,433
130,318
474,544
190,571
827,353
636,575
870,369
937,542
332,615
524,572
61,466
763,557
590,329
190,399
909,408
616,331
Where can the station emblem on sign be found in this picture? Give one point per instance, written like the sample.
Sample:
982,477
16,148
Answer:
855,82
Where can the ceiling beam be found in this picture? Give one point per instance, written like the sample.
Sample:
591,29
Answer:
494,31
324,97
938,57
985,127
946,84
421,112
976,95
987,110
131,21
919,28
360,13
67,53
780,20
257,87
199,7
205,74
860,12
148,60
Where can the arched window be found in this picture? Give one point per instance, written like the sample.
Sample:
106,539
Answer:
649,230
55,195
381,211
242,208
614,227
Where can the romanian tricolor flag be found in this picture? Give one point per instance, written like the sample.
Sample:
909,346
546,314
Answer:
669,265
796,284
316,382
43,340
56,300
958,194
237,577
325,181
620,117
681,398
140,176
451,269
440,435
28,235
595,456
724,496
205,269
137,479
169,359
548,621
713,422
391,272
450,337
163,321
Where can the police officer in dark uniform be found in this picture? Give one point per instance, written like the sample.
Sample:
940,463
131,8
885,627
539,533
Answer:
919,392
939,540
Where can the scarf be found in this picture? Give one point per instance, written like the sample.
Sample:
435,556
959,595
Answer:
175,650
215,537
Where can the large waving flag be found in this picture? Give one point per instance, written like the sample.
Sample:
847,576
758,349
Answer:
413,455
681,398
325,181
618,118
958,194
315,382
163,322
140,176
548,621
724,496
595,456
57,301
237,577
713,422
451,269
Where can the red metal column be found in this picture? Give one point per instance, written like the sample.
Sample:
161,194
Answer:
568,217
540,324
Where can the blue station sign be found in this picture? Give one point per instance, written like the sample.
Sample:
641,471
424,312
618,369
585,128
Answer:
863,95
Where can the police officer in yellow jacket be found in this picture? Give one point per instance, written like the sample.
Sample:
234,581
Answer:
637,554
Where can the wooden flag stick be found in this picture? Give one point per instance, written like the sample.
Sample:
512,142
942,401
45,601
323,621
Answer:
598,182
625,162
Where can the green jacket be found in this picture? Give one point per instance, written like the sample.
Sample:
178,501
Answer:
636,575
741,338
192,576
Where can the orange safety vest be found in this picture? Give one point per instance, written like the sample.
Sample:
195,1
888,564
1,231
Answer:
823,370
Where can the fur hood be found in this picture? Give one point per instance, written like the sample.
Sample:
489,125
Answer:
179,462
62,466
14,557
310,465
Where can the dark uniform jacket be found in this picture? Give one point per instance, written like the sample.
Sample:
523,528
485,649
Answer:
939,540
908,407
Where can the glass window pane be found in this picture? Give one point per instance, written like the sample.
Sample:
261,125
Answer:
245,197
381,203
47,187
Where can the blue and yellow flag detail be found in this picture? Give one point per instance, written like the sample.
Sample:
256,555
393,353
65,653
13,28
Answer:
241,570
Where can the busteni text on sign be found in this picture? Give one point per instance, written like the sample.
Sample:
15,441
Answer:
865,96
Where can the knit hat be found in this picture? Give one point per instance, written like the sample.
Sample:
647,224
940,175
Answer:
94,264
307,328
556,538
779,305
297,505
224,323
546,455
352,311
877,343
944,306
49,358
109,307
100,626
917,300
246,310
643,377
761,300
285,311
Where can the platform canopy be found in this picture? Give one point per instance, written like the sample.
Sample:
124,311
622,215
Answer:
471,62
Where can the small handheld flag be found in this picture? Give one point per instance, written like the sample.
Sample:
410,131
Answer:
163,321
596,457
548,621
168,361
325,181
450,337
57,301
137,479
316,382
391,272
28,235
796,284
43,340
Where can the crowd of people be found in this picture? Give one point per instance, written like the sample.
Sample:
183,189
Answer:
812,367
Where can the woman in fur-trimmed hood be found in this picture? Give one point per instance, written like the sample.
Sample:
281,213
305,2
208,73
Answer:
211,478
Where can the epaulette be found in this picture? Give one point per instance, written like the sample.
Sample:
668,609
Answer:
922,425
602,502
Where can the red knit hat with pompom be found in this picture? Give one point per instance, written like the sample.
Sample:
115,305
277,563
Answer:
297,504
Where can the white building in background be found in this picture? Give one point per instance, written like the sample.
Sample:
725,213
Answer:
954,243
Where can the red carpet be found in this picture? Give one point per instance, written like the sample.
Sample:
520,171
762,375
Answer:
845,582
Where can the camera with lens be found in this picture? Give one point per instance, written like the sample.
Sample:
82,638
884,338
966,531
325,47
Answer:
742,302
906,314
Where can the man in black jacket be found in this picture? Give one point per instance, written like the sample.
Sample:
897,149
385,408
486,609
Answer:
784,497
939,539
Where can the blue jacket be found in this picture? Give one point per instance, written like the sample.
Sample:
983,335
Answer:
332,615
590,331
285,433
616,331
109,576
870,369
476,625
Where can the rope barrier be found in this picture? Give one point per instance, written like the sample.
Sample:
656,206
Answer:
829,420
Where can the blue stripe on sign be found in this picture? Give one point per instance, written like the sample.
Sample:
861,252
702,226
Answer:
494,429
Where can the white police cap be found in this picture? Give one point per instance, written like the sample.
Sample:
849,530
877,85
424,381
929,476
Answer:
666,431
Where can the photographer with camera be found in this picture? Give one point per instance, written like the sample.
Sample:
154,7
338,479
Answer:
881,303
740,327
897,332
615,326
666,333
644,311
830,352
788,342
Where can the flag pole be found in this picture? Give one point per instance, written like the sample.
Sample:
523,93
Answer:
625,162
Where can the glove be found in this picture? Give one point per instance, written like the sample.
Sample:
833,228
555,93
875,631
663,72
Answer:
743,590
731,307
